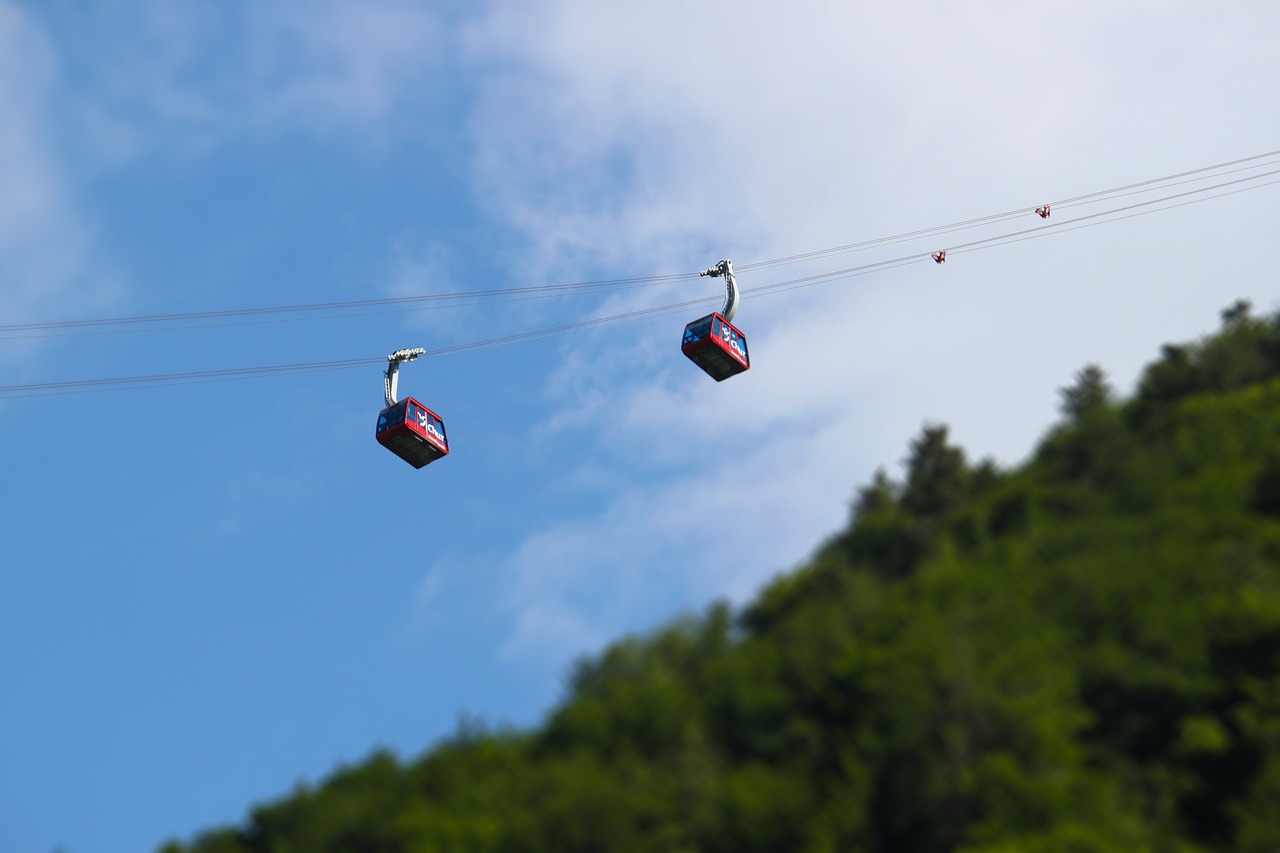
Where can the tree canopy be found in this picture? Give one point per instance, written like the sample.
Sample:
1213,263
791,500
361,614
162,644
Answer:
1082,653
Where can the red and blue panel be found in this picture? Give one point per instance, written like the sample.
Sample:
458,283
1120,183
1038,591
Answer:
413,432
717,347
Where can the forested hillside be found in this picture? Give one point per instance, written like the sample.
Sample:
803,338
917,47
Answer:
1080,654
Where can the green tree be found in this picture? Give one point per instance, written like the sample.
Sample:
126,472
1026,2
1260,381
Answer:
1090,393
937,474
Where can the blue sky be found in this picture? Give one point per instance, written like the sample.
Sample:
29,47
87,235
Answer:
212,592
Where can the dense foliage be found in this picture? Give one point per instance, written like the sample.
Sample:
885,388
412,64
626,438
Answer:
1081,654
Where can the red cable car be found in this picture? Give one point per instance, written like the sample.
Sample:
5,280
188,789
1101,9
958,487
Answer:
712,342
716,346
407,428
413,432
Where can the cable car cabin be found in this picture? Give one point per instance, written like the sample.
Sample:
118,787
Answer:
413,432
716,346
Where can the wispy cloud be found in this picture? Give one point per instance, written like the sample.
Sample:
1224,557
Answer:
337,62
43,240
83,99
185,79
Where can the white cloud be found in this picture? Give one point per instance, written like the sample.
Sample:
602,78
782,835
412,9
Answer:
665,136
317,63
624,130
43,241
30,187
185,79
421,266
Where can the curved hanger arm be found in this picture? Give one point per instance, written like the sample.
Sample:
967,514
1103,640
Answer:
391,377
725,268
